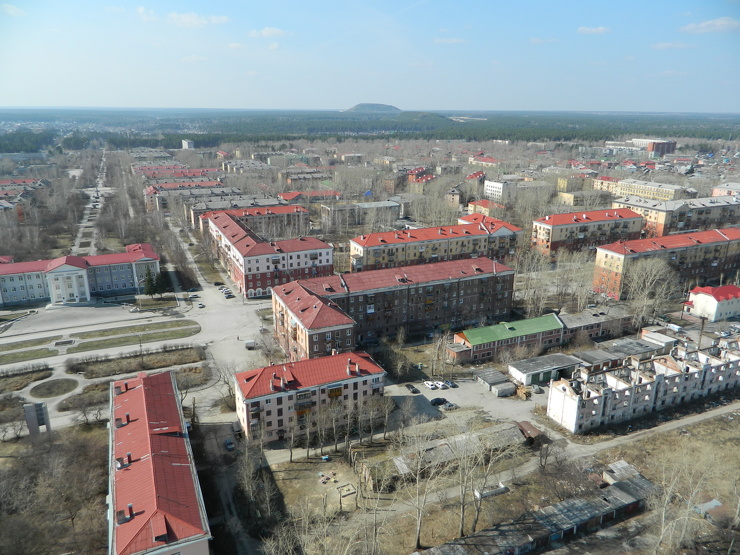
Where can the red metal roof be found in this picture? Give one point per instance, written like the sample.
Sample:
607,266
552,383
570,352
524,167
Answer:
476,175
138,251
154,189
426,234
313,372
309,194
592,216
607,178
488,204
159,481
678,241
723,293
256,212
478,218
313,311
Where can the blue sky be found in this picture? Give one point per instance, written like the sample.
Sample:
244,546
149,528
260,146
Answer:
621,55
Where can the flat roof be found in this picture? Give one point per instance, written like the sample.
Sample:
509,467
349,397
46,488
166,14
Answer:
554,361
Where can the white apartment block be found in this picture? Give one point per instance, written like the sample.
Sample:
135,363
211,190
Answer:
627,393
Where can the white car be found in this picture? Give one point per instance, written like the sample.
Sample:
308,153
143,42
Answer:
440,385
430,385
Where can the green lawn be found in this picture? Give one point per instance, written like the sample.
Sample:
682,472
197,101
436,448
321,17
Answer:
29,343
134,339
135,329
22,356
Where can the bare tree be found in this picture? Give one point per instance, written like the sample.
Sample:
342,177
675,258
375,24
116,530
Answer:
649,283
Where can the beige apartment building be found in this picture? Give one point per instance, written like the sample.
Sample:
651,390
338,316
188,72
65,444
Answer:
488,237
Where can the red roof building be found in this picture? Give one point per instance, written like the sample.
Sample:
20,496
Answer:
714,303
310,196
256,265
273,222
77,279
155,503
485,207
585,230
700,257
420,298
491,238
274,399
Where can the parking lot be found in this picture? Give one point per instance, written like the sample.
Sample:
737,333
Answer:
468,394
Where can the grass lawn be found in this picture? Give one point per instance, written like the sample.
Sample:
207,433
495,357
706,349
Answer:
95,394
30,343
54,388
134,339
146,303
13,315
136,363
21,356
16,383
134,329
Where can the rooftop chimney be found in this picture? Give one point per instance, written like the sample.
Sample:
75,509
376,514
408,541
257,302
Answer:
128,418
129,460
349,367
130,510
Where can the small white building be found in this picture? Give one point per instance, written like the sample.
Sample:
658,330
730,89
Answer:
714,303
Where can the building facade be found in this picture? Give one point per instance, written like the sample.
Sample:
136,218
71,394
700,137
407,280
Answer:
652,190
489,237
681,216
420,299
629,392
155,505
714,303
272,400
256,266
577,231
271,222
703,256
77,279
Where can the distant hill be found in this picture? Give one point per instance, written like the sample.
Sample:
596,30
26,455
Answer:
374,109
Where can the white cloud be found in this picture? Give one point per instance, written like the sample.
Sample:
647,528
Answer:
449,41
114,9
147,16
235,45
12,11
593,30
670,45
193,59
273,46
719,25
192,20
267,32
537,40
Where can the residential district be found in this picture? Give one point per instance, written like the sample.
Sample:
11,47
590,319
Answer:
399,335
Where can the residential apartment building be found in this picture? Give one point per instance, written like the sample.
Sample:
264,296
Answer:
485,207
492,238
576,231
681,216
272,400
271,222
194,208
714,303
420,298
256,266
155,505
309,196
156,196
726,189
604,183
77,279
623,394
342,216
502,192
652,190
703,256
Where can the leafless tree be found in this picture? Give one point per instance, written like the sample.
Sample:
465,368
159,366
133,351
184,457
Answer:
649,283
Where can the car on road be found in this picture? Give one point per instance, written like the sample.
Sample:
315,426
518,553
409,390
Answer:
440,385
229,444
411,388
218,283
450,383
201,305
438,401
192,296
430,385
229,296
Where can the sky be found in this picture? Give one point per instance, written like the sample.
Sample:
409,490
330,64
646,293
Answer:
595,55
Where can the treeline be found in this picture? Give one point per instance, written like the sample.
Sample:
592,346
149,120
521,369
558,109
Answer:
25,140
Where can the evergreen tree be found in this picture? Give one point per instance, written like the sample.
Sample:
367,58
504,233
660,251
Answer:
160,283
150,287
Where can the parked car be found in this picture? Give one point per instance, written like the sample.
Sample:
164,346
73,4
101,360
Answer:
218,283
440,385
192,290
201,305
229,296
537,389
430,385
437,401
450,383
192,296
411,388
229,444
450,406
